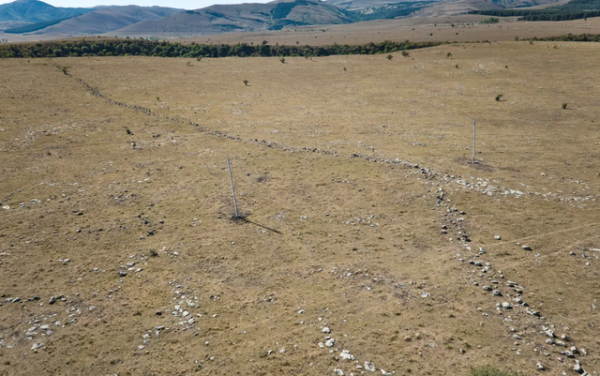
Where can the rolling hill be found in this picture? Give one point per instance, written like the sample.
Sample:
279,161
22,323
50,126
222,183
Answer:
36,11
107,19
243,17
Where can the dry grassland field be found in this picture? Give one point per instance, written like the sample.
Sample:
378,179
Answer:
366,228
416,29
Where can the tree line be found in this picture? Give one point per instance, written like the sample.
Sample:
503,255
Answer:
142,47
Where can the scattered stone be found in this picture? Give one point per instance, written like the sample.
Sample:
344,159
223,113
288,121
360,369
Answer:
496,293
325,330
345,355
497,237
330,342
506,305
301,311
540,366
568,354
36,346
282,351
369,366
527,248
338,372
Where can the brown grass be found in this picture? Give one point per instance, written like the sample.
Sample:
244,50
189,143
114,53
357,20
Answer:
334,213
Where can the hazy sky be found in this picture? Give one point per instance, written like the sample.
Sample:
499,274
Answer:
185,4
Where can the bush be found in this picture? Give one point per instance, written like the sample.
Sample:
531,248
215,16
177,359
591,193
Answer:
498,97
153,253
405,54
486,371
449,55
564,106
65,70
491,20
282,59
246,82
389,57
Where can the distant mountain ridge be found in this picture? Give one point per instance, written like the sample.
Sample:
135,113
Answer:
136,21
244,17
37,11
106,19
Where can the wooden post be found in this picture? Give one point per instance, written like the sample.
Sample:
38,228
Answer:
474,125
237,214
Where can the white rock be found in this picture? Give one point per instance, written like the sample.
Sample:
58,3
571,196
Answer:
345,355
325,330
497,237
282,351
330,342
338,372
37,346
369,366
540,366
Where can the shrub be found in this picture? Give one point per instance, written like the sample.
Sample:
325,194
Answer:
516,38
498,97
344,69
153,253
491,20
564,106
158,99
449,55
282,59
246,82
405,54
65,70
198,58
389,57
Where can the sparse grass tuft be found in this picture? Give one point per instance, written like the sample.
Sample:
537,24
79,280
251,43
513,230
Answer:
153,253
246,82
389,57
499,97
65,70
282,59
564,106
405,54
449,55
486,371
